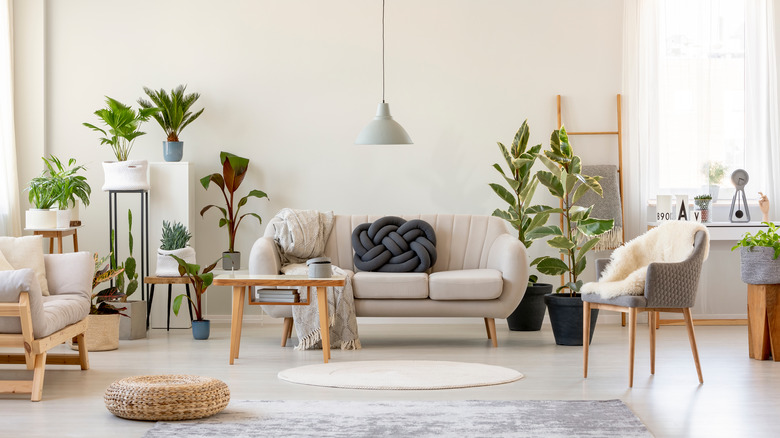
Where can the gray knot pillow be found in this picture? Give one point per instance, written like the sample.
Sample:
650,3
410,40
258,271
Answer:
391,244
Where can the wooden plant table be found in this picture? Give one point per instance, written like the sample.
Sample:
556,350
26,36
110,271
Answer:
58,233
240,283
764,321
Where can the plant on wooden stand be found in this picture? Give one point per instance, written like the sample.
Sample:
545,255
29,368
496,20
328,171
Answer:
174,241
525,218
578,234
234,170
200,281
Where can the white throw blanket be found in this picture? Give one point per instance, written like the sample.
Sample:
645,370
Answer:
302,235
627,269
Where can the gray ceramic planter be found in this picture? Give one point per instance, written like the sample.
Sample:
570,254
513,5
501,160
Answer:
758,265
173,150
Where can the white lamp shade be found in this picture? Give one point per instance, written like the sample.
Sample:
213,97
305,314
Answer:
383,129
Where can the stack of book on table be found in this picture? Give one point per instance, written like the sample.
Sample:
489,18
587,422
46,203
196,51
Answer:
276,296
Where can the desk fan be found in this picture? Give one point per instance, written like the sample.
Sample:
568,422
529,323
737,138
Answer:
739,209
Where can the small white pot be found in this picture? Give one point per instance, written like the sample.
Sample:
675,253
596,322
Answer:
63,218
126,175
37,219
167,266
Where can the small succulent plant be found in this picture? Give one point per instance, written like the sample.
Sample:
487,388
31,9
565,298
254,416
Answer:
174,236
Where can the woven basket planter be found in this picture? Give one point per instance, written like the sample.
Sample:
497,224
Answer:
102,333
166,397
758,266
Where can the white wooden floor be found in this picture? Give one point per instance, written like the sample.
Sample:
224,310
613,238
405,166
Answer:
740,397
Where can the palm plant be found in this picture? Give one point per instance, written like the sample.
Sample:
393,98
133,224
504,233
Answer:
123,124
175,112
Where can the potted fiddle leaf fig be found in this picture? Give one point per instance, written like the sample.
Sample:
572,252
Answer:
579,234
234,170
123,127
173,117
523,217
200,281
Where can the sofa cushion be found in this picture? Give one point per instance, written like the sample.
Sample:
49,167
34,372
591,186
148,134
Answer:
466,284
26,252
390,285
61,311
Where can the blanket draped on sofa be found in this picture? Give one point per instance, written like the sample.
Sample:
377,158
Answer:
302,235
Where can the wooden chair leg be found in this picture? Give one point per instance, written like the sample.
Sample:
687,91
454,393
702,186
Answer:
651,327
83,354
585,337
37,385
692,339
622,319
631,344
286,330
487,328
491,326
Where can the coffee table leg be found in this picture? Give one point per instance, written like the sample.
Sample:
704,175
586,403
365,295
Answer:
235,321
240,318
322,302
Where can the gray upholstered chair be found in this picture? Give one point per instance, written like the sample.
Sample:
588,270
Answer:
669,287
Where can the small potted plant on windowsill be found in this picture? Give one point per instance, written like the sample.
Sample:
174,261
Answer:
174,241
715,171
200,281
123,127
522,182
173,117
234,170
578,235
702,203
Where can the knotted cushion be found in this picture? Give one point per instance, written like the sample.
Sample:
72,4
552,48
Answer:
392,244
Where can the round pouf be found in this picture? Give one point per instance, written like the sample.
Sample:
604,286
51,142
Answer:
168,397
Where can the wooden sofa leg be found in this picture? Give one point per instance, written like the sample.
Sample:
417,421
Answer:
83,354
491,327
287,330
487,328
37,385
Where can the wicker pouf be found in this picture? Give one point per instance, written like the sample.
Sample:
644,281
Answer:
169,397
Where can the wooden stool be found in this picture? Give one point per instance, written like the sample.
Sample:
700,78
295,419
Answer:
165,398
170,281
764,321
59,233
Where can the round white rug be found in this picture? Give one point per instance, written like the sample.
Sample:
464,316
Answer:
400,374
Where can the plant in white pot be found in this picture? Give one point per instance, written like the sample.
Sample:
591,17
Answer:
522,182
174,242
69,189
759,255
173,117
123,124
42,195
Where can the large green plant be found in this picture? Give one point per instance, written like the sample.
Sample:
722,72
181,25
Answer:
67,185
200,281
234,170
174,107
522,184
42,193
580,231
123,124
769,238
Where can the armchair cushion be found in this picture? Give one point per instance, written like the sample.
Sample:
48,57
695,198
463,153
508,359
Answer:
466,284
26,252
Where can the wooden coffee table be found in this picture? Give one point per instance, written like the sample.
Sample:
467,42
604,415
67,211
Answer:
240,283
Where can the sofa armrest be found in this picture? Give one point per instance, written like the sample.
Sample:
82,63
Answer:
264,259
13,283
70,274
507,254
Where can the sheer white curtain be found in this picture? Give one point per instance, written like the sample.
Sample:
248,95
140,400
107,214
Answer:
761,111
10,218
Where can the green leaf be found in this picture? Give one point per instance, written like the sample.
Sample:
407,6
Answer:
579,192
552,183
561,242
537,260
592,182
549,230
521,139
507,157
552,266
576,165
578,213
538,221
130,266
503,193
554,168
566,150
595,227
503,215
499,169
587,246
132,286
177,303
534,209
579,266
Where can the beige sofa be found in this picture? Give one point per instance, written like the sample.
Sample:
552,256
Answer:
481,271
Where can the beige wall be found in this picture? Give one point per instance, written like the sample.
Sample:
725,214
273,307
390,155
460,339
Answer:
290,84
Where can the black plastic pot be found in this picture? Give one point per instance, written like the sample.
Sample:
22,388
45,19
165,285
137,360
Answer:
529,314
566,318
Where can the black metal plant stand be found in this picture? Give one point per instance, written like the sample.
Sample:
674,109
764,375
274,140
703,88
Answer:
113,227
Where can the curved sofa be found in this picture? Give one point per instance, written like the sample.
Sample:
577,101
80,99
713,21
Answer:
481,271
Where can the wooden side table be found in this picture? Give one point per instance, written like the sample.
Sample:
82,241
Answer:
170,281
764,321
58,233
240,284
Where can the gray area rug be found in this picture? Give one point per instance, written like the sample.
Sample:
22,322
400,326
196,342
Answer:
473,418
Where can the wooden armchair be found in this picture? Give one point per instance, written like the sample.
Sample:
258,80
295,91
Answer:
37,323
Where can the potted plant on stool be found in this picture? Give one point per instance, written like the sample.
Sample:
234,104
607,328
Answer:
173,117
578,235
174,241
200,281
529,314
234,170
103,320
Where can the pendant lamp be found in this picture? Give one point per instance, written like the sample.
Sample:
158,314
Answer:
383,129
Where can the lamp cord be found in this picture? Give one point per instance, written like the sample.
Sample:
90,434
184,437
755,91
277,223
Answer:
383,51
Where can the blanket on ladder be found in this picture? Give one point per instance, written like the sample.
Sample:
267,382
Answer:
302,235
626,272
